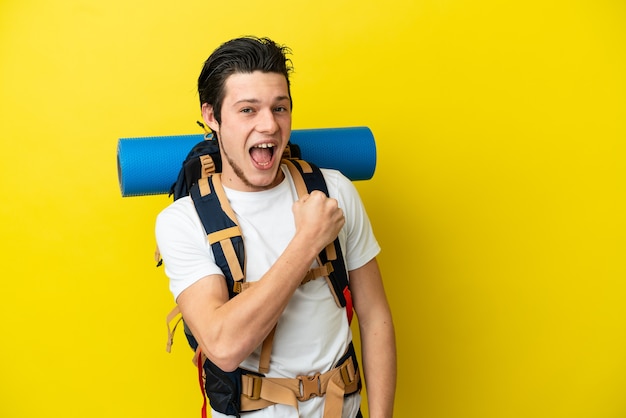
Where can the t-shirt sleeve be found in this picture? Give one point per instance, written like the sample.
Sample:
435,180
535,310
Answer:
360,243
183,245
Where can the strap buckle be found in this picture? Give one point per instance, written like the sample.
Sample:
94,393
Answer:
348,373
252,387
238,287
310,386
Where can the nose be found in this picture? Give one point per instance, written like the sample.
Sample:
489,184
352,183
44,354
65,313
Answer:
266,122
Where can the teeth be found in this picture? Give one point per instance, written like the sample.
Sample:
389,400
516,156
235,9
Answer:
264,146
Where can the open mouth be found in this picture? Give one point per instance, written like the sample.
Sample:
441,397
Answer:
262,154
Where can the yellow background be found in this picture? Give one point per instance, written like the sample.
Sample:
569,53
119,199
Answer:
498,198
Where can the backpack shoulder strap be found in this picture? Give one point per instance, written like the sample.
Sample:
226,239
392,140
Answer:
222,229
308,177
220,224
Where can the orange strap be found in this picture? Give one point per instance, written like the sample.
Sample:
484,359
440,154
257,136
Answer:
171,330
298,181
266,352
207,166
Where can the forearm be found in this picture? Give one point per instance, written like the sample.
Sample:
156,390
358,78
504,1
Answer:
378,344
379,367
250,316
229,330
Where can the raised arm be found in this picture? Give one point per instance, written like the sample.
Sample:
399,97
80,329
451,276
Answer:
229,330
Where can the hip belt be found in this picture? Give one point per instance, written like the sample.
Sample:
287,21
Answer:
260,392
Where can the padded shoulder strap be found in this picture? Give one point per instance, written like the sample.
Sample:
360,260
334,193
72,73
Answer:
307,178
220,225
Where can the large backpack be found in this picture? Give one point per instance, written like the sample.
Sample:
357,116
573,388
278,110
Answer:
199,177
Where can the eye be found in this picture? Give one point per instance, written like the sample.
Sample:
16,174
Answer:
246,110
280,109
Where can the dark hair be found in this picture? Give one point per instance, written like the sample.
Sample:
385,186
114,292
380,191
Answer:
240,55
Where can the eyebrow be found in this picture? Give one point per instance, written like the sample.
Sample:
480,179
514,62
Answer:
277,99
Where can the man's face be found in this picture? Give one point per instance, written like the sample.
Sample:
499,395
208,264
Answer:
255,128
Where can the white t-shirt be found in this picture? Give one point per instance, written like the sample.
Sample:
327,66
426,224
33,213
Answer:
313,333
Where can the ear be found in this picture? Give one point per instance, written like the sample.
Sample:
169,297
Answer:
209,117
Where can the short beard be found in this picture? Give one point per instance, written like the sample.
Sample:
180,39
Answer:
238,171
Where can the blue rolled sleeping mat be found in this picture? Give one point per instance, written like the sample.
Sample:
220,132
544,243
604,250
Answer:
150,165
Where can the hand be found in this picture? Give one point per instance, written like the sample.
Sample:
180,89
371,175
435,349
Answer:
318,219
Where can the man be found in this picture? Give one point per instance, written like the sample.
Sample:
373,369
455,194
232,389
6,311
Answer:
246,101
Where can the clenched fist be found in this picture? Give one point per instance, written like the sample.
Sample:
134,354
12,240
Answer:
318,218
